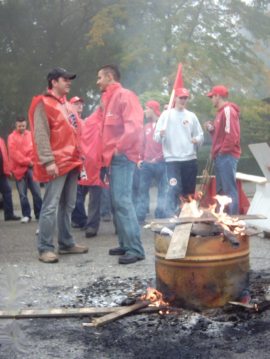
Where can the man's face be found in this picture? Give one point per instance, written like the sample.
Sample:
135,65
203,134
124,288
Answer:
61,86
103,80
21,126
78,106
148,112
215,100
181,102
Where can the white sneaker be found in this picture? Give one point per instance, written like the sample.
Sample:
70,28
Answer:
37,231
25,220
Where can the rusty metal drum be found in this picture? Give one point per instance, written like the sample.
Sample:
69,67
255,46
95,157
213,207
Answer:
212,273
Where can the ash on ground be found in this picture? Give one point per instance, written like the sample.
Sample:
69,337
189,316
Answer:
228,333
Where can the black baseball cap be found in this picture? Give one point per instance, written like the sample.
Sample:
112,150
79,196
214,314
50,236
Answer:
60,72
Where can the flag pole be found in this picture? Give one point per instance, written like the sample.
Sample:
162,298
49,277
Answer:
178,82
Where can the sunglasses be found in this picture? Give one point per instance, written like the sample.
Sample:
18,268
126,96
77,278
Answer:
183,97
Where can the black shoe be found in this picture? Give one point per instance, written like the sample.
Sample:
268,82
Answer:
106,218
117,251
12,218
90,232
129,258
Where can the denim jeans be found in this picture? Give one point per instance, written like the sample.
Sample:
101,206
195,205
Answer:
127,226
181,177
22,186
59,193
105,202
225,171
79,216
93,219
150,171
5,189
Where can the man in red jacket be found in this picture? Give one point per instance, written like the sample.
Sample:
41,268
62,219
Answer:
5,188
226,151
122,128
20,148
152,165
57,162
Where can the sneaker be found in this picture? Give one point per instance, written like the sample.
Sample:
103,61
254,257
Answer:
48,257
90,232
37,231
117,251
25,220
129,258
12,218
77,249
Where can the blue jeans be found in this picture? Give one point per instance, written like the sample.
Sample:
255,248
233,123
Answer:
150,171
181,177
225,171
127,226
105,202
93,219
5,189
60,194
22,186
79,216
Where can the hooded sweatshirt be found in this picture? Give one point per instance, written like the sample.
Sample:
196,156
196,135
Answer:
226,132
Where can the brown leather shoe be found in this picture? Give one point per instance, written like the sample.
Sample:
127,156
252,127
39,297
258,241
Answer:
77,249
48,257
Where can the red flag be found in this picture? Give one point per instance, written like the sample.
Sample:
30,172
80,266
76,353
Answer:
179,79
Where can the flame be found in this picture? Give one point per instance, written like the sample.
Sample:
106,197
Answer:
190,207
155,297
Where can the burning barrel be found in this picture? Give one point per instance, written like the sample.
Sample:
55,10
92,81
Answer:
212,273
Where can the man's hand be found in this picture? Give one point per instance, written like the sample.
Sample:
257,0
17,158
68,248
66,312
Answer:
52,170
208,126
194,140
139,164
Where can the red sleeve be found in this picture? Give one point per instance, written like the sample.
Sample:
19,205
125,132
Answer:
231,124
132,116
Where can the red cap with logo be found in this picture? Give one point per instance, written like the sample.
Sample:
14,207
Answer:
154,105
219,90
76,99
181,92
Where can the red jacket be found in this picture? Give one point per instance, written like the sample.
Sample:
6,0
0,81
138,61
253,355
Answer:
226,133
122,123
63,137
90,143
3,150
20,148
151,150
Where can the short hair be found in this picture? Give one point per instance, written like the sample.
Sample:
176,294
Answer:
20,119
112,69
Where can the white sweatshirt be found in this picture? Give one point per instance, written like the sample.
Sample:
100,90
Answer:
180,128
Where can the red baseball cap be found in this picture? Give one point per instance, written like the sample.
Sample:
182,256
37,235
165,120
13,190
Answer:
181,92
154,105
219,90
76,99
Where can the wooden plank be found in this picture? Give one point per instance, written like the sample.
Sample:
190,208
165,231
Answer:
56,312
179,242
97,322
211,218
250,178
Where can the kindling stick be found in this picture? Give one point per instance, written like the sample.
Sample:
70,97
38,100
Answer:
97,322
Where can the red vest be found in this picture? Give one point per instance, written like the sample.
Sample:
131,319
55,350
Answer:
3,150
63,137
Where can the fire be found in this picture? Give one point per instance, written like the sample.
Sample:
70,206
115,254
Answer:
155,297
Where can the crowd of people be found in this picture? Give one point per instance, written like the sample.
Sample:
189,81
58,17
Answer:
102,155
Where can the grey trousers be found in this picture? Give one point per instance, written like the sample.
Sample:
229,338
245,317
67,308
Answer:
58,204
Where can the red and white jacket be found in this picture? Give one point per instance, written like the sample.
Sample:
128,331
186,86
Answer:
151,150
226,132
20,149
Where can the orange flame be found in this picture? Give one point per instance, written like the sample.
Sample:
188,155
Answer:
155,297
